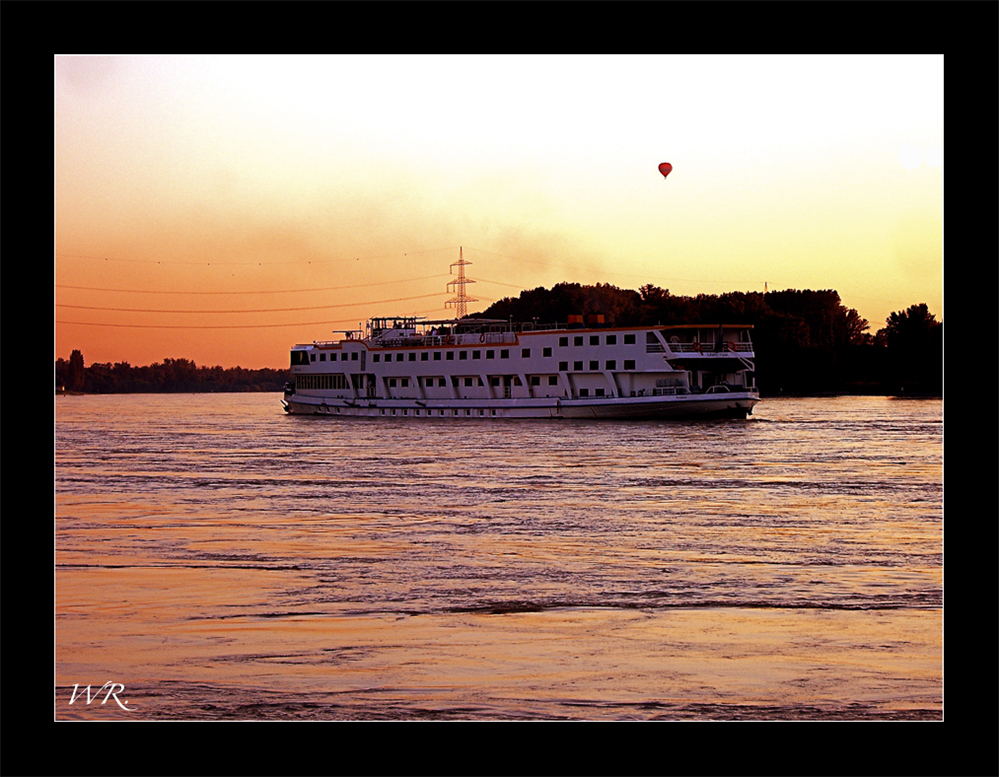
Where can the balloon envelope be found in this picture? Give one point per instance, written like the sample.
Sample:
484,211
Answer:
665,168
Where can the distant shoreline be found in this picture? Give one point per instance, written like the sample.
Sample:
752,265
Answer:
780,395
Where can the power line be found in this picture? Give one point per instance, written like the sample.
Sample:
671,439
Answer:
544,264
213,326
209,263
259,310
522,260
267,291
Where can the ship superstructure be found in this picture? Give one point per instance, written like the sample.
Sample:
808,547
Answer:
405,366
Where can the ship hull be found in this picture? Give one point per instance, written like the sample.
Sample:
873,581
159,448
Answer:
706,406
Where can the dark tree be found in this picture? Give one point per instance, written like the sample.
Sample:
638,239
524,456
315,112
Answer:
914,343
77,372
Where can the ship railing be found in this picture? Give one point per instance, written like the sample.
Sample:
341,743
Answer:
669,391
464,338
661,391
724,388
485,338
705,348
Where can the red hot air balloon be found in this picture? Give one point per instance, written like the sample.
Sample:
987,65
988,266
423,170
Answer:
665,168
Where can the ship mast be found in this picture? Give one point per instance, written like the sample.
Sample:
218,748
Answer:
461,299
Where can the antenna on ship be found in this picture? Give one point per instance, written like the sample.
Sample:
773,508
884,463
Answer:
460,300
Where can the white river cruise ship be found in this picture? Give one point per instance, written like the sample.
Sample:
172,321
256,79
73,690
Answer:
485,368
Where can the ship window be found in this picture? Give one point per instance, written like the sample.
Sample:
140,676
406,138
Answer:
469,381
437,356
535,380
312,357
599,392
462,355
450,356
424,356
594,365
594,339
322,357
442,383
563,366
490,354
376,357
505,353
553,380
353,356
584,392
391,382
629,364
577,365
611,339
412,357
629,339
404,382
563,342
494,380
577,340
546,351
476,354
611,364
525,353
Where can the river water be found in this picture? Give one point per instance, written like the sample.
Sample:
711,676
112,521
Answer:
216,559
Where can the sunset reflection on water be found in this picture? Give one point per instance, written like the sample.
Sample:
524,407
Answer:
223,561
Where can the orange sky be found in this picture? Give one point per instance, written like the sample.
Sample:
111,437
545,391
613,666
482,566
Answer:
223,208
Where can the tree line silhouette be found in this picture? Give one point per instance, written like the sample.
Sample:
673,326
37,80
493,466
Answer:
168,376
806,342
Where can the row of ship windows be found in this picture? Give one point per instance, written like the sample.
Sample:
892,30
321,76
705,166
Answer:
328,381
489,354
504,353
351,355
494,380
450,355
339,381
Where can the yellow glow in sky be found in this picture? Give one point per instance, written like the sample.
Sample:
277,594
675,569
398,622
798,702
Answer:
287,196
